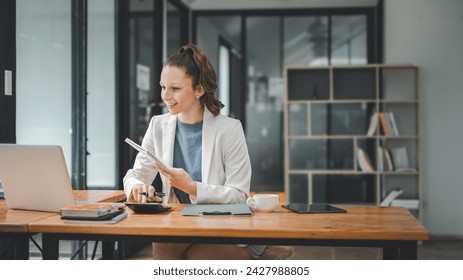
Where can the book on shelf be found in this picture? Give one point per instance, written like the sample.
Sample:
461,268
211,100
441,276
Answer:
393,194
384,124
92,220
393,124
374,119
364,160
400,159
89,210
388,124
388,164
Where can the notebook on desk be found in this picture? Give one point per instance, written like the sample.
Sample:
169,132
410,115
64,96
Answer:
35,177
216,209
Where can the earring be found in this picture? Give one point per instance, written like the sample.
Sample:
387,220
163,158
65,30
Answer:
197,96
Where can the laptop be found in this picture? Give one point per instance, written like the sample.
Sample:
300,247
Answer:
35,177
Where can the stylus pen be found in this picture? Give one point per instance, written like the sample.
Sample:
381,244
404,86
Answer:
160,194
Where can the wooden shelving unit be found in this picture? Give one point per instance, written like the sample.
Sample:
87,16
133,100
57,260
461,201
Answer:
327,115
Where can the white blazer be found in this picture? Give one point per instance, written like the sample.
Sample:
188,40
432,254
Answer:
225,164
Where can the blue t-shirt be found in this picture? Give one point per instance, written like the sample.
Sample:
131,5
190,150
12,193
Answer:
187,153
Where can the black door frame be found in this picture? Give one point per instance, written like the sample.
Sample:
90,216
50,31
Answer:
123,15
123,75
7,62
124,161
79,94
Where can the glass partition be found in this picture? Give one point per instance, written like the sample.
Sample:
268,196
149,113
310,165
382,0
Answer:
264,109
305,40
349,40
101,98
43,78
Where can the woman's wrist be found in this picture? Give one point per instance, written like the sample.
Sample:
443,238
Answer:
193,188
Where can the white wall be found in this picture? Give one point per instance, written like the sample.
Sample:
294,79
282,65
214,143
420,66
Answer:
429,34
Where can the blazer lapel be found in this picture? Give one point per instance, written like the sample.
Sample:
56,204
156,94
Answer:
208,139
168,142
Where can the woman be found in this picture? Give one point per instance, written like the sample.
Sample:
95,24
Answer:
208,152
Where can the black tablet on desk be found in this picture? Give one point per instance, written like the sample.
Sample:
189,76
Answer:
304,208
147,207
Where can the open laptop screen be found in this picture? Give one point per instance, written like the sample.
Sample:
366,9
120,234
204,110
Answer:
35,177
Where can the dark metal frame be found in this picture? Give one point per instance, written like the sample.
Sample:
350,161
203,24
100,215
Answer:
123,16
184,18
18,248
122,87
79,94
392,249
8,62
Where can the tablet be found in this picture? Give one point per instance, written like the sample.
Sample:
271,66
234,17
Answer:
105,217
148,207
314,208
145,152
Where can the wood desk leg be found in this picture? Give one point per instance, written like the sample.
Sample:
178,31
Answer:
50,247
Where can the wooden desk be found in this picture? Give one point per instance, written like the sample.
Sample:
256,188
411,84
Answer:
12,220
14,224
392,228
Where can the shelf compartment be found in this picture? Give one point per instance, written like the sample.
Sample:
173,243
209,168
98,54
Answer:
308,84
317,154
341,118
344,189
354,83
409,150
297,118
405,115
398,83
409,184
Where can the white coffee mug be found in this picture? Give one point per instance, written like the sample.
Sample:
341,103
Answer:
263,202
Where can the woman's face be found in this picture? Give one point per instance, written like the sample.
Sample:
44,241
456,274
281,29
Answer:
177,92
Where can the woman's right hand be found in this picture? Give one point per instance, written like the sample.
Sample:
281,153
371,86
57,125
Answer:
136,196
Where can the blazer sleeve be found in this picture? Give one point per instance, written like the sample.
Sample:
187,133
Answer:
237,169
143,171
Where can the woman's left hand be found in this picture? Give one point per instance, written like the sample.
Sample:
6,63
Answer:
178,178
